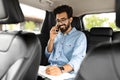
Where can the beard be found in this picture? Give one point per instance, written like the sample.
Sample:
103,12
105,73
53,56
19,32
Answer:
65,28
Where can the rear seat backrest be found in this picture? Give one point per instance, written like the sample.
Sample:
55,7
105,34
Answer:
99,35
44,36
116,36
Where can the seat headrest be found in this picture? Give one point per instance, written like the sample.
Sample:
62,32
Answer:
10,12
76,23
2,11
104,31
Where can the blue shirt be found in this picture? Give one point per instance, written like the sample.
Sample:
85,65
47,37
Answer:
69,49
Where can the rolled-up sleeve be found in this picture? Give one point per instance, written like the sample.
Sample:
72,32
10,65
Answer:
79,53
46,52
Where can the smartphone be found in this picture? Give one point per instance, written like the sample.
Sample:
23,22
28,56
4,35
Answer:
58,28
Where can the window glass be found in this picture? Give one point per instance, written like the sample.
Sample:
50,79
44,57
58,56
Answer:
100,20
34,19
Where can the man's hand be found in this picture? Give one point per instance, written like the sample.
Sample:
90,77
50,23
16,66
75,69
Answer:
53,70
53,32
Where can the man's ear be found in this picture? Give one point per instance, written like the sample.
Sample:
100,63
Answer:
71,19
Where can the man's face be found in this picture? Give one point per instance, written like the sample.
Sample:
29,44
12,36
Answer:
63,22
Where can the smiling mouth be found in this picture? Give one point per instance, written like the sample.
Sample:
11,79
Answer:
61,26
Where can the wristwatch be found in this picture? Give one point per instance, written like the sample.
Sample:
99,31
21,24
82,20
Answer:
61,68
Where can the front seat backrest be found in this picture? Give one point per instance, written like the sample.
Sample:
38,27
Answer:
19,56
102,63
20,52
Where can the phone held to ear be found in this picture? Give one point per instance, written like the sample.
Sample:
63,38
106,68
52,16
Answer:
58,28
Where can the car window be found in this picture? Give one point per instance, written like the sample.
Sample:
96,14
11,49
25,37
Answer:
34,19
100,20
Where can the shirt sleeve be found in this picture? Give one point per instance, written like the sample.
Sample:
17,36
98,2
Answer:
79,53
48,53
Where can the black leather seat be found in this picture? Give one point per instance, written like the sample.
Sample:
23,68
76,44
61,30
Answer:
102,63
99,35
20,52
76,23
116,36
44,36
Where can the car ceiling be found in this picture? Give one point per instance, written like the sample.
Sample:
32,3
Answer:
80,7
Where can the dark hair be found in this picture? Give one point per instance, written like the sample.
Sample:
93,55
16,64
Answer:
64,8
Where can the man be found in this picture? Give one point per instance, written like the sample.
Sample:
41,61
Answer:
67,46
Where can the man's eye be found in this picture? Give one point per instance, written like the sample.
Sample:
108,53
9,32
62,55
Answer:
63,20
